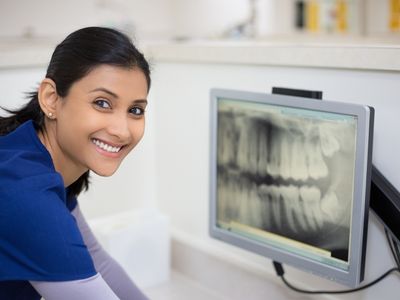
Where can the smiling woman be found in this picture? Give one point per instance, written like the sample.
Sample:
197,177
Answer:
111,102
87,115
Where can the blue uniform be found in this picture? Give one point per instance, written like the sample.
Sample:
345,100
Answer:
39,238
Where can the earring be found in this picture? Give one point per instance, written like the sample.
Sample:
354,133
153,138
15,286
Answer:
50,115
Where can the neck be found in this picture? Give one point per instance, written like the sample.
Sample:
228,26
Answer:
69,171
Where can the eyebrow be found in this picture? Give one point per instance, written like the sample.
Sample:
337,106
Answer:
101,89
143,101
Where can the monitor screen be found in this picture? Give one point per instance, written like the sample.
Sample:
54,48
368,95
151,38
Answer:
290,180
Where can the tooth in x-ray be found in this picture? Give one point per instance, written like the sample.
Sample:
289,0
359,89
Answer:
244,145
330,205
289,202
275,199
223,195
293,208
227,139
286,157
317,213
253,148
262,151
266,204
243,203
329,143
249,206
310,197
317,167
274,158
299,161
255,205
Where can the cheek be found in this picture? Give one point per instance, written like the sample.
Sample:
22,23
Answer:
137,131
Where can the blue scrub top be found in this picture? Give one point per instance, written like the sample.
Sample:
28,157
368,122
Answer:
39,238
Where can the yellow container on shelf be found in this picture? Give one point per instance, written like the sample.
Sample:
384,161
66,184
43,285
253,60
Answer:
312,16
342,16
394,15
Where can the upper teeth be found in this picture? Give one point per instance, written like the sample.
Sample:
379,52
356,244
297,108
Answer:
106,147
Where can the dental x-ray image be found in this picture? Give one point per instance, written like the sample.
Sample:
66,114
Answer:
288,172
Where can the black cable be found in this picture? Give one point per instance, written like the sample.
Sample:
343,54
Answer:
280,271
392,248
397,250
397,247
341,291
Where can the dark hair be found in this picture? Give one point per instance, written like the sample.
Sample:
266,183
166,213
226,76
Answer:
77,55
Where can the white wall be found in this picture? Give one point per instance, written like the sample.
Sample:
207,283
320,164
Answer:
15,83
155,19
181,101
215,18
44,18
207,18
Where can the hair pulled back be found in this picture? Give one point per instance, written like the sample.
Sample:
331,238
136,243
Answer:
77,55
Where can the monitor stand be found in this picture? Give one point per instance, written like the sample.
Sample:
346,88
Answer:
297,93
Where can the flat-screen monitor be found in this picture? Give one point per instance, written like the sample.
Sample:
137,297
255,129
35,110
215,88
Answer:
290,180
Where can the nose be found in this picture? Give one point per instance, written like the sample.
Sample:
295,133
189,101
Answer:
119,127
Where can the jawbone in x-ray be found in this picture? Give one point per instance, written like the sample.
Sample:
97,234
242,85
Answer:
287,173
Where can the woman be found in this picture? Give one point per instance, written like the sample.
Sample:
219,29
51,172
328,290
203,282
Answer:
87,115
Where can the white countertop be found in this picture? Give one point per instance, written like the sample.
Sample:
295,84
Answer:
199,274
366,56
181,287
26,53
348,54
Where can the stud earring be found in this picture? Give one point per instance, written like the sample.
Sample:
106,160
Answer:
50,115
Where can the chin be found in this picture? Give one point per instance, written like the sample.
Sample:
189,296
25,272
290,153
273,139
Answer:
104,173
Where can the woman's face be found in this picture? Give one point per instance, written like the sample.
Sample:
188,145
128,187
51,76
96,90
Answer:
100,120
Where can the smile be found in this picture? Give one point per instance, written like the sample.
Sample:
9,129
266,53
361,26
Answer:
106,147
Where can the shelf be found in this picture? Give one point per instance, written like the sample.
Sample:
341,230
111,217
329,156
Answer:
362,54
343,52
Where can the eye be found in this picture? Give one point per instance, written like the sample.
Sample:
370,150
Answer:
101,103
137,111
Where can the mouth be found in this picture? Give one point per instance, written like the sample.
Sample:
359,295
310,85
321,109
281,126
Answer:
106,146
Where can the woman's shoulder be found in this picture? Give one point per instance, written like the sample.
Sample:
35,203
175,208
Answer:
23,156
39,237
27,175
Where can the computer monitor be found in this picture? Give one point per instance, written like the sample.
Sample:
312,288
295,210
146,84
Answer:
290,180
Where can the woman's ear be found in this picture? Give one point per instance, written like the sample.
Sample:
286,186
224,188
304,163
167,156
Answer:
48,97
